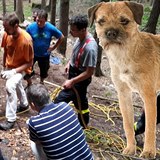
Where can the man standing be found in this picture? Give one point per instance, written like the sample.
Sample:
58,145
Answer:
17,61
42,33
80,68
55,132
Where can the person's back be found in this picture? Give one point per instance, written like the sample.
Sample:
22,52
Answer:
57,129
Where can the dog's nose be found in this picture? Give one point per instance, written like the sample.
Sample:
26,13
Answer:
112,34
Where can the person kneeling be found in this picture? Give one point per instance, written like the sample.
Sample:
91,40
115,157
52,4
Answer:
55,133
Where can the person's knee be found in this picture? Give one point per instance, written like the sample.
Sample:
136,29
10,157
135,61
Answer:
10,86
64,96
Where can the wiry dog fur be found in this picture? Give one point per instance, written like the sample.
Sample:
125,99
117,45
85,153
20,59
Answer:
134,58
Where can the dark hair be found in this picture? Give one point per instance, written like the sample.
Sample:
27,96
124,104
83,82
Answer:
11,18
38,95
42,14
80,21
35,11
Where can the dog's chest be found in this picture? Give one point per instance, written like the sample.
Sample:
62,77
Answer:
119,58
122,66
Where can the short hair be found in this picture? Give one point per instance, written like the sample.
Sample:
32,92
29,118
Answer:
42,14
11,18
35,11
38,95
80,21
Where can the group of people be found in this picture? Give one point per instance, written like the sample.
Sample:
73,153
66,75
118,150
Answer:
56,132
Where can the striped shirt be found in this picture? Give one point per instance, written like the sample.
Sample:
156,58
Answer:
59,131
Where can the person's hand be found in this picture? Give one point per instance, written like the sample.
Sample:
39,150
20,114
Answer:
8,74
68,84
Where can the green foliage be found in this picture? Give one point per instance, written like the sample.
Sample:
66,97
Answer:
27,11
147,11
9,6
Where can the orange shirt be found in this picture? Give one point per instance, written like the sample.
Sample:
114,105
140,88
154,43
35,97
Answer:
19,51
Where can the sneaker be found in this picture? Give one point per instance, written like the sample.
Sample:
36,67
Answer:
21,109
139,126
6,125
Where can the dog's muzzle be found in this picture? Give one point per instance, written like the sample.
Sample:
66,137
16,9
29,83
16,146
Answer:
112,34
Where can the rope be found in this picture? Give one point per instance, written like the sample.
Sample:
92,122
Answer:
100,141
79,107
103,143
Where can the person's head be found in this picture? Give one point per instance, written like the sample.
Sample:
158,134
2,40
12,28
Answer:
41,19
78,25
11,23
38,96
34,14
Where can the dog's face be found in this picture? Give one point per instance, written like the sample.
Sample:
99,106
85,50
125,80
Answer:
115,22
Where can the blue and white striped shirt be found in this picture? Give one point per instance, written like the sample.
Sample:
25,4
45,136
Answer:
59,131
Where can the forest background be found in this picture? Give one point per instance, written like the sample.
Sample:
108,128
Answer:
105,135
61,10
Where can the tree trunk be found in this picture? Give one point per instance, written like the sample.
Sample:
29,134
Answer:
153,19
63,24
53,12
43,4
98,71
14,5
19,10
4,7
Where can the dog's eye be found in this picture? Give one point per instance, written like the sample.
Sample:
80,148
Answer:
101,22
124,21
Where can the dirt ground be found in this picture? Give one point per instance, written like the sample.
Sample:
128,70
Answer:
105,117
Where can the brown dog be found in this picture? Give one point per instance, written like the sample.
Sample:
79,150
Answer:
134,58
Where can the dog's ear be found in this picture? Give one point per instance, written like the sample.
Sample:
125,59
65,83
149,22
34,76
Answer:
137,10
91,12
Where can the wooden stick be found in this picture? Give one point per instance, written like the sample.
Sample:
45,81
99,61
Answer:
53,84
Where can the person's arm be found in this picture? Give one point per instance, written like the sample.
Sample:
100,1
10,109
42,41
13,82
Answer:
84,75
58,42
3,45
24,67
9,73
